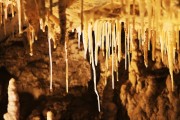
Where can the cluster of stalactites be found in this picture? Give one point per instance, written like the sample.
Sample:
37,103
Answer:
16,5
107,37
52,24
5,5
157,24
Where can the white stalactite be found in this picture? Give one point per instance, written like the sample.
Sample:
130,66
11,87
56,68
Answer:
50,64
19,15
66,59
94,70
112,49
85,37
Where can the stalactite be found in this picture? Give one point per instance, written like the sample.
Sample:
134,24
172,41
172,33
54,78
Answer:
82,20
79,36
125,56
110,34
153,45
1,13
95,89
50,64
126,44
139,38
31,37
4,21
149,10
19,15
118,31
85,37
162,38
146,49
112,49
177,38
170,56
94,69
129,44
115,46
42,24
174,46
12,10
5,10
66,59
142,12
107,44
107,33
102,37
90,39
97,37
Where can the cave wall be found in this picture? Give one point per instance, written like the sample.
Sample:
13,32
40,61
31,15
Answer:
33,72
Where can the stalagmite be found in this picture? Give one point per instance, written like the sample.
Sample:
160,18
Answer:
13,102
50,115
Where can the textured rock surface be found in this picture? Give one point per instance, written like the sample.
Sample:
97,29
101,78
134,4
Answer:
33,72
151,97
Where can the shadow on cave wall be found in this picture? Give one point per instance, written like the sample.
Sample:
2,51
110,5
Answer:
5,76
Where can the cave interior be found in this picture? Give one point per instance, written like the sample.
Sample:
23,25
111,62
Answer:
89,60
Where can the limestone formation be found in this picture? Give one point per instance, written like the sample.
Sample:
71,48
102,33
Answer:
50,115
13,102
